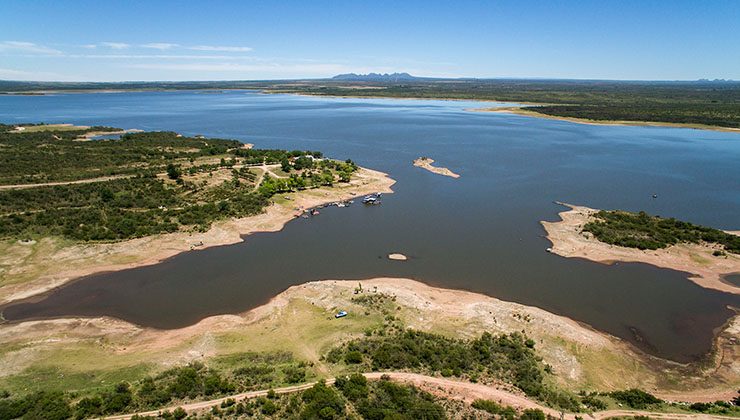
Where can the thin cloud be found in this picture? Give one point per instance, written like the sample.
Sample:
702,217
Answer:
162,56
13,74
302,69
160,45
27,48
219,48
115,45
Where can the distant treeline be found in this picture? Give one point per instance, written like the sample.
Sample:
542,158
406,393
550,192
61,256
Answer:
715,103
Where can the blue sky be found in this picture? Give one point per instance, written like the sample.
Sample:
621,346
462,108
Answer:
229,40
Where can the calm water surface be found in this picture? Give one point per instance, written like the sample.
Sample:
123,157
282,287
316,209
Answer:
480,232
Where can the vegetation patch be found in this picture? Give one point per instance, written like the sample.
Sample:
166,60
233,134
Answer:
195,381
507,357
157,182
642,231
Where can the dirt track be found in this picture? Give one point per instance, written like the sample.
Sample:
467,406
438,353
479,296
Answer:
449,388
50,184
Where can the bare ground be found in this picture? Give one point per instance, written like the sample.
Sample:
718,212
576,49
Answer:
427,163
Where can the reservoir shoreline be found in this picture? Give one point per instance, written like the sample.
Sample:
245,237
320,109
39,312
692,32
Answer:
576,350
91,259
696,260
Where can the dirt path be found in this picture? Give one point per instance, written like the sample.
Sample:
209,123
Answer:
51,184
442,387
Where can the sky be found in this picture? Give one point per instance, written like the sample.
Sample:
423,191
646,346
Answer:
244,40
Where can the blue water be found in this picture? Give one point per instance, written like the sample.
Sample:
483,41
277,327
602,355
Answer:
480,232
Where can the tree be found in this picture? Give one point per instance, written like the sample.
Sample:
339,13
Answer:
173,171
285,165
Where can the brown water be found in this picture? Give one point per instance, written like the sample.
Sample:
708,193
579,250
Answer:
480,232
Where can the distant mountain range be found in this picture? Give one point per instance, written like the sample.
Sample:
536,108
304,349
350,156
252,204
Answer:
376,77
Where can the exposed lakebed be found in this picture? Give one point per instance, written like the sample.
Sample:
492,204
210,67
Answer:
480,232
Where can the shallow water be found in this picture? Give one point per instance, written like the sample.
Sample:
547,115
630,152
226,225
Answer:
733,279
480,232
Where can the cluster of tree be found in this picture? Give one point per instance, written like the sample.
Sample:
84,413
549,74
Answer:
273,156
271,186
117,209
721,115
642,231
47,156
506,412
507,357
191,382
378,400
717,407
142,204
635,398
350,397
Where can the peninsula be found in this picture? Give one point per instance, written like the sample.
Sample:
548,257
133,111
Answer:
113,204
609,237
437,339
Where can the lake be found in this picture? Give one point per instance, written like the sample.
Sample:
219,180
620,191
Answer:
480,232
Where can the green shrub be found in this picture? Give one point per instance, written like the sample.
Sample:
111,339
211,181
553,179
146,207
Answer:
635,398
642,231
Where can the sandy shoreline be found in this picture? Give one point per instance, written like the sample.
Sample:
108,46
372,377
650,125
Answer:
707,270
578,353
427,163
78,260
529,113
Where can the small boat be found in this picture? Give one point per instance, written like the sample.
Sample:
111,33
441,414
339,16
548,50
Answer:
315,213
548,249
340,314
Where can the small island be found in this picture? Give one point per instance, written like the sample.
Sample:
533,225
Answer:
611,236
426,163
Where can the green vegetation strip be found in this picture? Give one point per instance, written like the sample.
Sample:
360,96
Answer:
508,357
642,231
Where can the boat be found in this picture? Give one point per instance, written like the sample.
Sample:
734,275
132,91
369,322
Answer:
371,199
340,314
315,213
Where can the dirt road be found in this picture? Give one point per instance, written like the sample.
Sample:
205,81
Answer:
442,387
